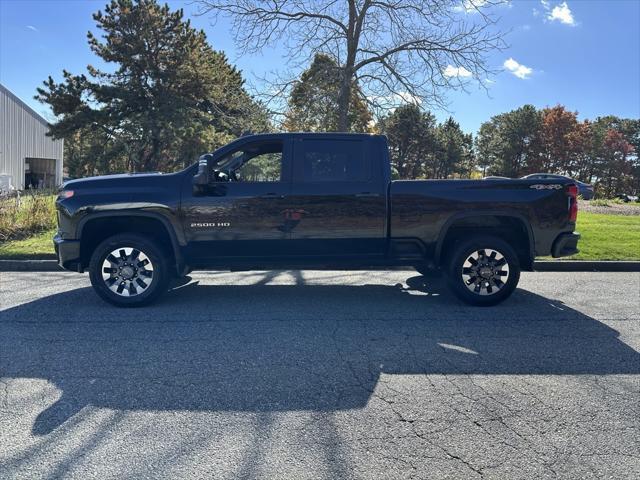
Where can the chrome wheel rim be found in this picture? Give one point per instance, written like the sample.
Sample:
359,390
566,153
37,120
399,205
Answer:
127,271
485,271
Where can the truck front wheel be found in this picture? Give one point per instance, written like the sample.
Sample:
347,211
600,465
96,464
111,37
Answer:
483,270
129,270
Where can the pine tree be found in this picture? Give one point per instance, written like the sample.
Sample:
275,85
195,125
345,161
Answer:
454,154
168,97
313,102
509,143
411,135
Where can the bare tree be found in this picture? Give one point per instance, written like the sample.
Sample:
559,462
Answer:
397,50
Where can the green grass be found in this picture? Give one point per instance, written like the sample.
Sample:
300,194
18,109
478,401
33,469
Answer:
608,237
39,246
604,237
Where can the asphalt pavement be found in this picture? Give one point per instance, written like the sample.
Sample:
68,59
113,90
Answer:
321,374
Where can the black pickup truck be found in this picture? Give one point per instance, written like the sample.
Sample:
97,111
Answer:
305,200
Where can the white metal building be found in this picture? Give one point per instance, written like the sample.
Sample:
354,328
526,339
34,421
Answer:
27,155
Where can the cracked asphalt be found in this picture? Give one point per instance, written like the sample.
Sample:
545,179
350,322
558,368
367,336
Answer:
312,374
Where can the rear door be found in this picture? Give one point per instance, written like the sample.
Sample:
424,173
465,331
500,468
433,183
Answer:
338,197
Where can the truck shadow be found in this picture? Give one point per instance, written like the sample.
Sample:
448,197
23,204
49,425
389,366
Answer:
262,347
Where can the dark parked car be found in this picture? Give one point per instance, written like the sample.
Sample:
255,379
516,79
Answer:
308,200
627,198
585,190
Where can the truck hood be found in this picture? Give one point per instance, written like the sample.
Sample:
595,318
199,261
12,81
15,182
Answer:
111,180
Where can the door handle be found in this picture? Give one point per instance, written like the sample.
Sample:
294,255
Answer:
367,194
272,196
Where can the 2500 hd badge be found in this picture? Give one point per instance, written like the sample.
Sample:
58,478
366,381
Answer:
210,224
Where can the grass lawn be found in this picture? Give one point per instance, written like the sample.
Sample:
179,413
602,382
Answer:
604,237
608,237
39,246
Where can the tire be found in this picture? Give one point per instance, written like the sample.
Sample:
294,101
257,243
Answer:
483,285
185,273
129,280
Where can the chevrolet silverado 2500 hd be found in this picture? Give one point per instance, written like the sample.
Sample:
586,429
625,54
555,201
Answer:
301,200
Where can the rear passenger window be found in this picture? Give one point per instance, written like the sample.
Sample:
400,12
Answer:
334,161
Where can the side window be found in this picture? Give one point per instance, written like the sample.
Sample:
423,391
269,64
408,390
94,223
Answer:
255,162
334,161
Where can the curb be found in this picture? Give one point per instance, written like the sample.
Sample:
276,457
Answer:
543,266
585,266
29,266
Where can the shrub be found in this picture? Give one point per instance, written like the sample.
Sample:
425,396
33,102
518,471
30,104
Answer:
600,202
27,214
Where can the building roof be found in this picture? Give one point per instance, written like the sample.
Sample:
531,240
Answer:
31,111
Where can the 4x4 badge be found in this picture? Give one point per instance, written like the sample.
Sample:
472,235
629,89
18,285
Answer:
546,186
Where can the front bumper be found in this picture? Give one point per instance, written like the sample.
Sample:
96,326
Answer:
68,253
565,244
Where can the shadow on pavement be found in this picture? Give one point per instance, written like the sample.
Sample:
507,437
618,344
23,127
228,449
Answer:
262,347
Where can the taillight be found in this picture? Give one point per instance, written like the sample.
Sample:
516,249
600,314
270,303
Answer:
572,193
65,194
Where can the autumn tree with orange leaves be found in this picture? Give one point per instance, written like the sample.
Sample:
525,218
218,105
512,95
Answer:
552,140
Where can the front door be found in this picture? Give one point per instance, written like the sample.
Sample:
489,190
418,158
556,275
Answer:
243,212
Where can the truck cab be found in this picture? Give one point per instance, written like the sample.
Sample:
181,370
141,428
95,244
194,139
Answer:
308,198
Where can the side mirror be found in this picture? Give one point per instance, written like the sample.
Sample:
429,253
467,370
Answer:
201,179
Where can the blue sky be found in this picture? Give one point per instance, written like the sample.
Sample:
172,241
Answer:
584,54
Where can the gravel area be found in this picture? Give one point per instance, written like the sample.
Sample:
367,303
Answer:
613,208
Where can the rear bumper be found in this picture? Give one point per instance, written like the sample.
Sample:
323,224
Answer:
68,253
565,244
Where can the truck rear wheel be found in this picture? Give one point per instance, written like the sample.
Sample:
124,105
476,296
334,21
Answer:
129,270
483,271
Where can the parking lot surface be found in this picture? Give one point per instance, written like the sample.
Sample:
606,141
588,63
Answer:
321,374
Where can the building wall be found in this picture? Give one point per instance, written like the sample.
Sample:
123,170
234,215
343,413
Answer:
23,135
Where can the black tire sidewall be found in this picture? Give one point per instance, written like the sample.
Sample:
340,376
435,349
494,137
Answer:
459,255
159,282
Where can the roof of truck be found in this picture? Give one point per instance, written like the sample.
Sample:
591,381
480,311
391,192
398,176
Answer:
310,134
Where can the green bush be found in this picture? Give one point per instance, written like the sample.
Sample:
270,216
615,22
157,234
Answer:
27,214
600,202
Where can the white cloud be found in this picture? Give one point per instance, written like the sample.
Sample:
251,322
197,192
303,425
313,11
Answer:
474,6
395,99
470,6
562,13
31,27
406,97
517,69
452,71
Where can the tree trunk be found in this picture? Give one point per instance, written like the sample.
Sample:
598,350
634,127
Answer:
347,71
344,99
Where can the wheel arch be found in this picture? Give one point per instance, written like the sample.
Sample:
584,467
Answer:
90,231
511,227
